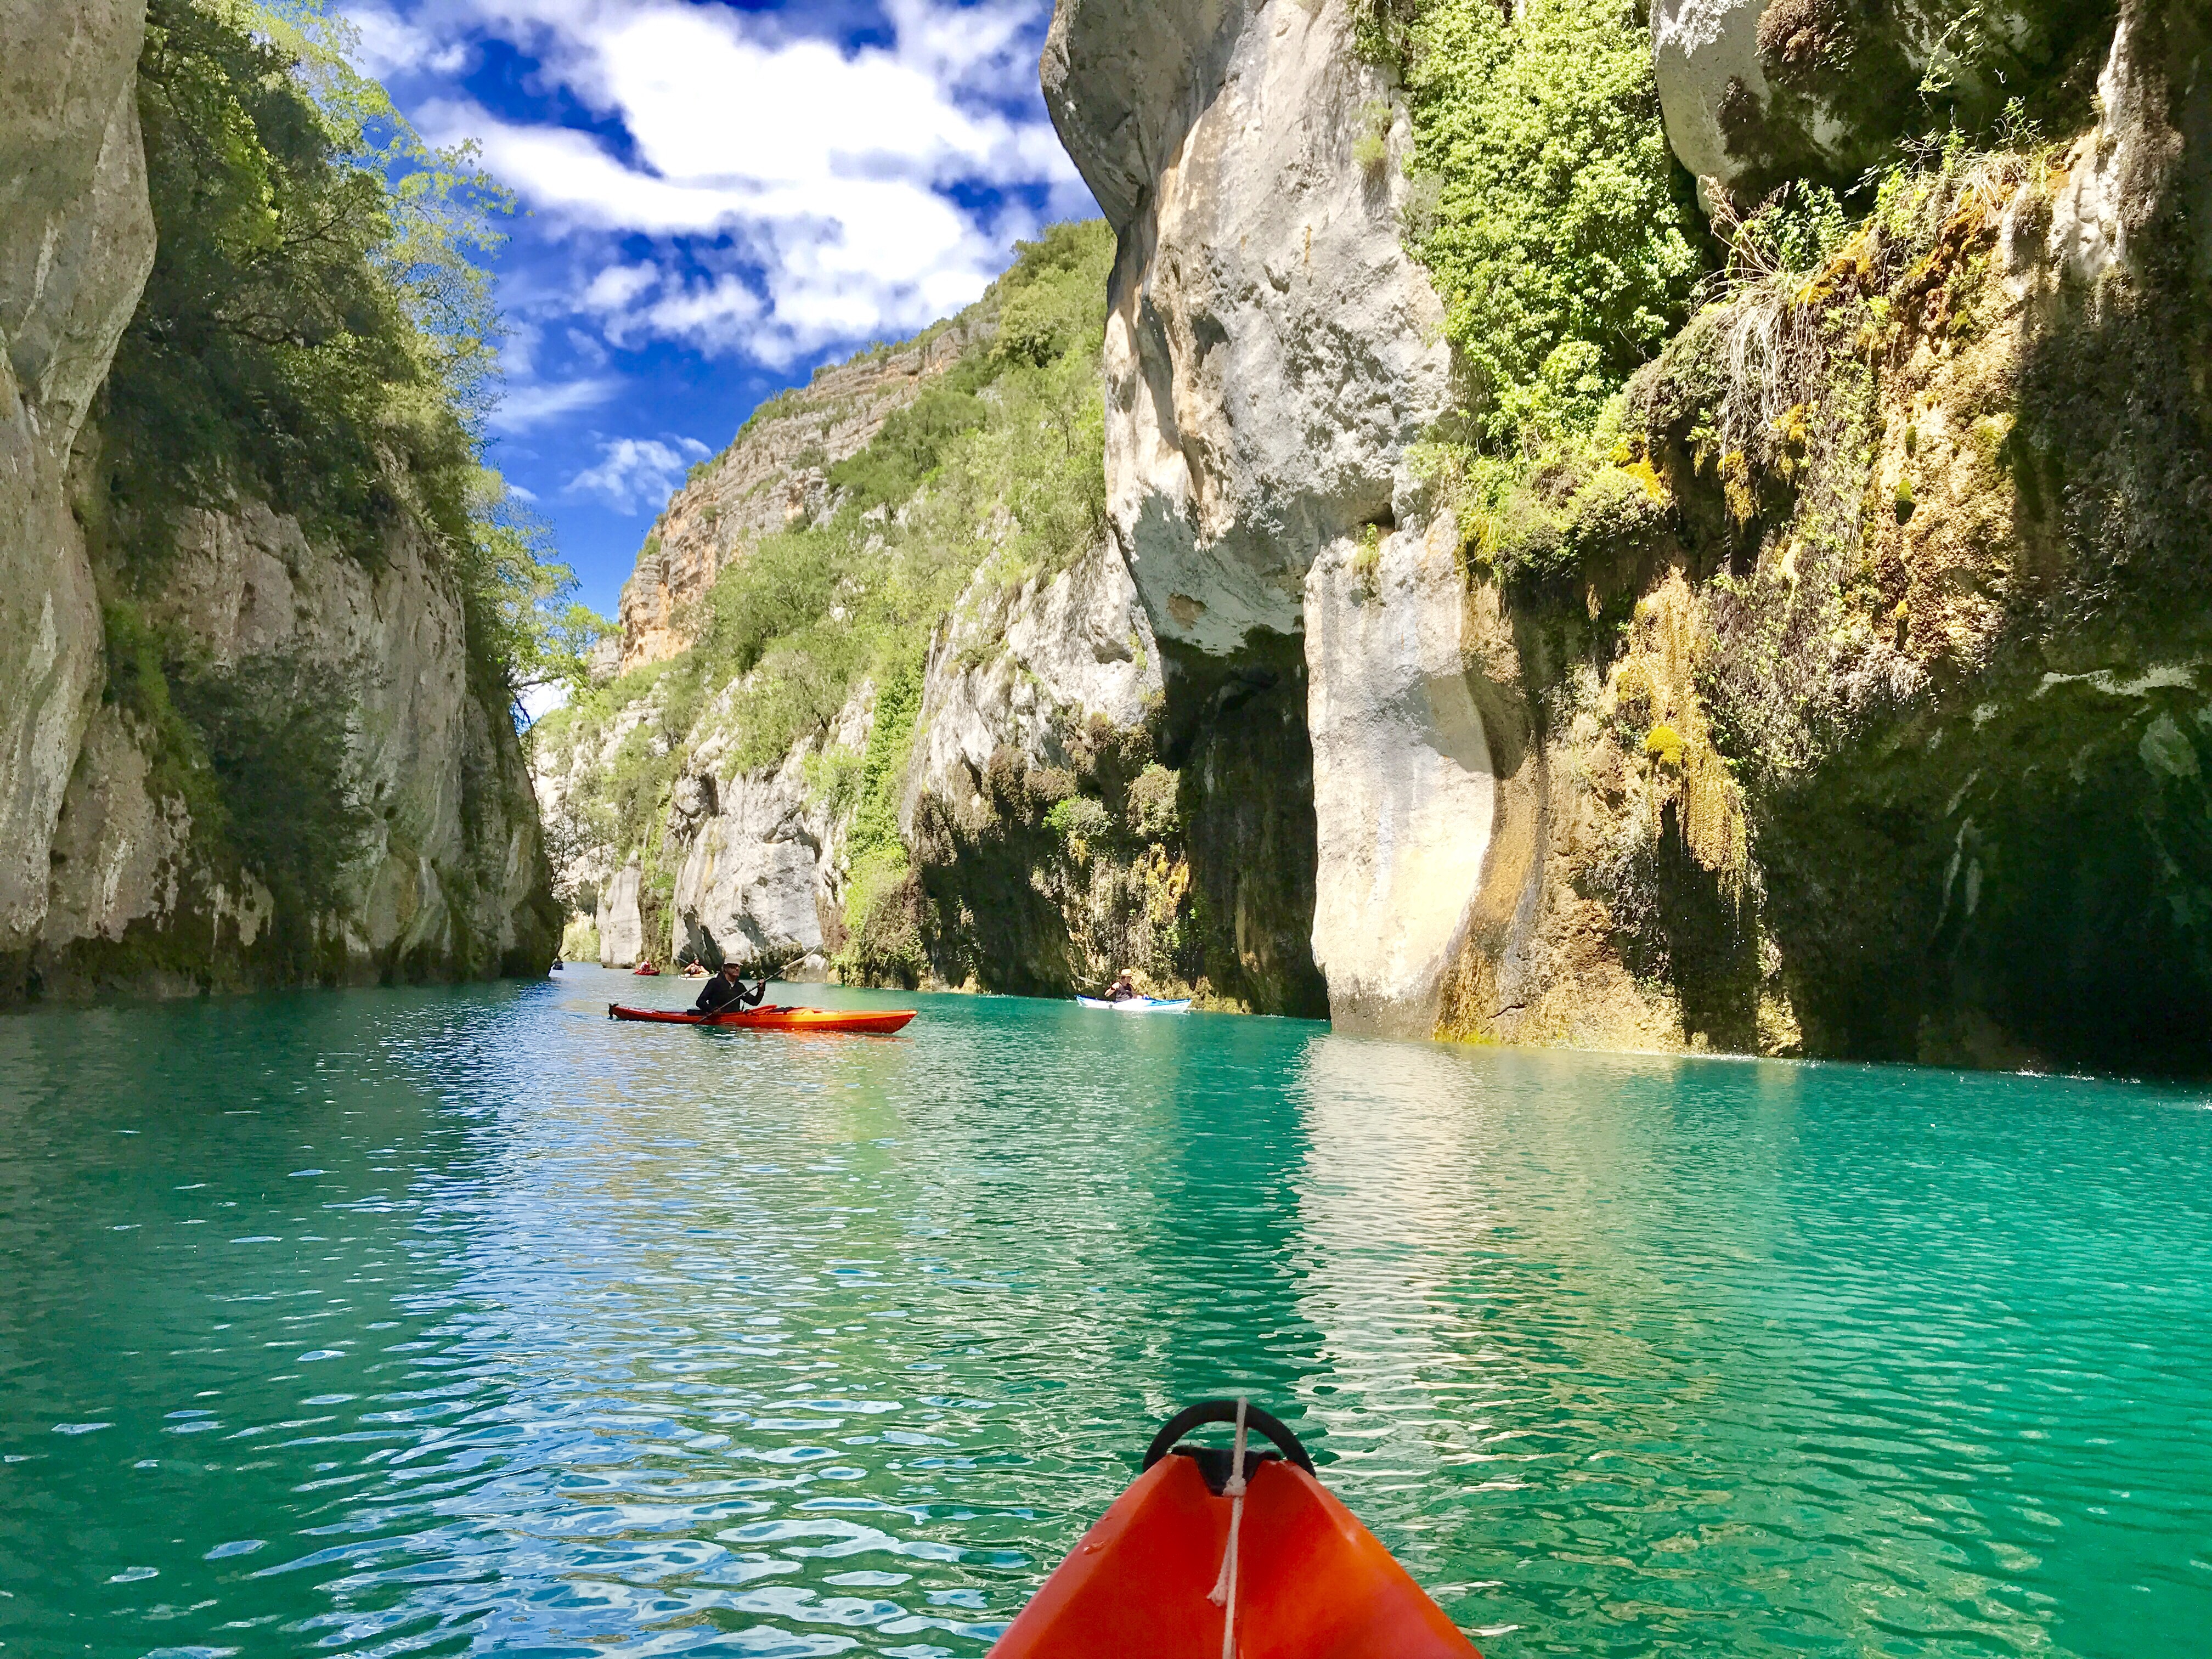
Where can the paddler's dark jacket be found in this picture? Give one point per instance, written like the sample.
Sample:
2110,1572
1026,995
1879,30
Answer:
719,994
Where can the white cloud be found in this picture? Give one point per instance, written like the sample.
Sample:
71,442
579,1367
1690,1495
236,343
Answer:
521,408
778,193
389,46
635,473
539,700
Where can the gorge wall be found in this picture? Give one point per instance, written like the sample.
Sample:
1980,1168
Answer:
1272,353
1836,686
231,752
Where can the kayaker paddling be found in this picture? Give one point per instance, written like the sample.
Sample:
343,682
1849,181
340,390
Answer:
726,993
1122,989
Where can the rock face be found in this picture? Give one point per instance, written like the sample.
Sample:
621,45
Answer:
78,248
774,474
1406,798
1760,92
2006,868
1015,684
622,930
103,882
761,873
1019,675
1026,698
1271,353
1869,719
1266,354
450,880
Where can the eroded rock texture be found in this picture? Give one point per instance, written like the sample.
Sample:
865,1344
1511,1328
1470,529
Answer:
1270,352
1760,93
77,246
1023,696
1873,722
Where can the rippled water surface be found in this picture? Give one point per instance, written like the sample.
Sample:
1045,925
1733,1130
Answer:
449,1322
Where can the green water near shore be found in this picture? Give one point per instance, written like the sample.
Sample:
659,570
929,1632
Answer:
468,1322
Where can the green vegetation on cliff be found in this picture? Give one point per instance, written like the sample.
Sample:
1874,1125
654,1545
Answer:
1547,208
316,336
317,328
1563,237
1043,866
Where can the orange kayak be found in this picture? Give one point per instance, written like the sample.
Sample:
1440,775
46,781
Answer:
1310,1582
773,1018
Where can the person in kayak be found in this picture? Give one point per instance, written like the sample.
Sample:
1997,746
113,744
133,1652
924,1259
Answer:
1123,989
726,993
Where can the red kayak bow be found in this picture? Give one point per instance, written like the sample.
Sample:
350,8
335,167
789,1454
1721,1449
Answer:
1182,1567
881,1021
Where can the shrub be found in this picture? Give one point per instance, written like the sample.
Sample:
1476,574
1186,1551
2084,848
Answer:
1372,147
269,354
1152,811
909,448
1078,818
317,328
1561,241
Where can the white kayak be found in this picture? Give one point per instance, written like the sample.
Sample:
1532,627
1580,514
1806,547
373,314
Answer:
1138,1004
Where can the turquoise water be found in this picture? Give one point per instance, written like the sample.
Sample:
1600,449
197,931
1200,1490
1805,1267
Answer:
468,1321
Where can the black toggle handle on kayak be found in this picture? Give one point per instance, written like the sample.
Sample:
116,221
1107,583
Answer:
1224,1411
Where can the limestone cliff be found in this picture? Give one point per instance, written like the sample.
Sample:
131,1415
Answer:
1836,687
78,247
774,474
1271,353
173,725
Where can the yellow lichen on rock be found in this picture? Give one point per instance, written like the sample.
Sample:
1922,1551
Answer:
1653,689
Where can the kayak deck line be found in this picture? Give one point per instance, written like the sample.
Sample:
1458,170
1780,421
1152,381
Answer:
879,1022
1211,1544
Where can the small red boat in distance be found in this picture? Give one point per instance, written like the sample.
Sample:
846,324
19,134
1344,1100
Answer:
1180,1555
881,1022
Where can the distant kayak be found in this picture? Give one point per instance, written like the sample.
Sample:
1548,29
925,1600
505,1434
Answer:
1138,1005
882,1021
1179,1556
645,968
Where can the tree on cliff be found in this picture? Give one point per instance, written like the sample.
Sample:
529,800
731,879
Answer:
319,331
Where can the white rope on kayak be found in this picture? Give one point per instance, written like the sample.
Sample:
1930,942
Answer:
1223,1594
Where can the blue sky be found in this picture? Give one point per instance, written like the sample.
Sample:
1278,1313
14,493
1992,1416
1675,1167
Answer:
716,198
